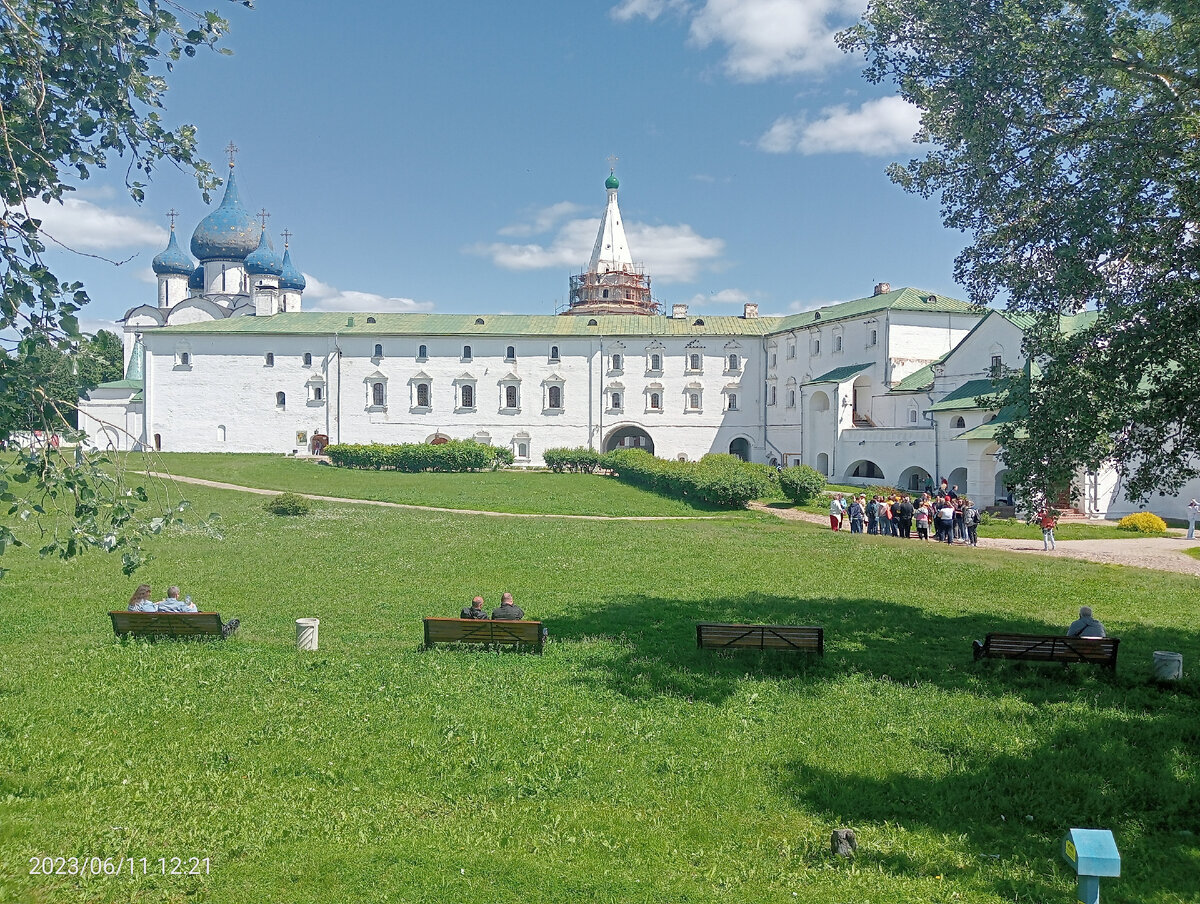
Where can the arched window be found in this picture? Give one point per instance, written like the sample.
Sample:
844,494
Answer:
734,362
959,422
422,351
308,359
468,396
694,401
510,397
616,401
656,362
772,395
270,359
816,346
466,353
378,350
377,396
616,362
280,400
912,415
791,398
694,361
606,293
733,401
522,450
655,401
997,367
874,337
185,358
837,343
422,395
318,393
510,353
220,433
554,397
554,353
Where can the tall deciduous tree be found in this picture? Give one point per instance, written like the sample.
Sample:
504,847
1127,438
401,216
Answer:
82,83
1065,139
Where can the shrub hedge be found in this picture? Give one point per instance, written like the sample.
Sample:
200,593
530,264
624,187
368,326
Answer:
723,480
1143,523
580,460
287,504
801,484
455,455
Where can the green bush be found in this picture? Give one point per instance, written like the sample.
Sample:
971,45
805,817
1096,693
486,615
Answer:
455,455
580,460
801,484
288,504
1143,523
723,480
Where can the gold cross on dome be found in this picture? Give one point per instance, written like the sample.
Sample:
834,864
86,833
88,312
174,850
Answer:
286,235
264,216
232,152
171,215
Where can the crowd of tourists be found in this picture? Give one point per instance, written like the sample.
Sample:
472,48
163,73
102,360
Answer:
945,514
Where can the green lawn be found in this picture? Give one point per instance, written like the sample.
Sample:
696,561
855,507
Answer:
492,491
623,765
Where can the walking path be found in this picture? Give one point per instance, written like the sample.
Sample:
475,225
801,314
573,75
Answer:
217,485
1160,553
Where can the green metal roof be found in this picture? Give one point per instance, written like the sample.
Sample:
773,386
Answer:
122,384
917,381
988,431
492,324
965,396
838,374
906,299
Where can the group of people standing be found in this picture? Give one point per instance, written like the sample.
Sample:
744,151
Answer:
951,517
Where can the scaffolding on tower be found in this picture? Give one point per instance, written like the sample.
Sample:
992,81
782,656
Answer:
621,290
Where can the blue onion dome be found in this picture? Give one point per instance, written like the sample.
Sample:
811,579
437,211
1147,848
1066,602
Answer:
263,261
196,280
611,181
228,233
172,261
291,278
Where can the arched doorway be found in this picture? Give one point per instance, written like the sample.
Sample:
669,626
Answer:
914,479
741,448
958,478
1004,488
629,438
438,439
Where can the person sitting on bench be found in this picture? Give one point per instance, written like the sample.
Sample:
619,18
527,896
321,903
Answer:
1085,625
508,611
140,601
174,604
475,610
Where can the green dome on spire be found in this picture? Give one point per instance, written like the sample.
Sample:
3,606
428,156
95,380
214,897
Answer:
611,181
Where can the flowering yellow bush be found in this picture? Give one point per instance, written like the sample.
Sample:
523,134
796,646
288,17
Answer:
1143,523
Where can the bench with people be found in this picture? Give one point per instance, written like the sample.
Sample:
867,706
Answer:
506,625
170,617
1085,641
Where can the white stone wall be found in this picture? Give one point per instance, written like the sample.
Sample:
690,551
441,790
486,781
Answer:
111,421
226,398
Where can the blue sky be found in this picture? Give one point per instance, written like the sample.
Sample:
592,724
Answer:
452,156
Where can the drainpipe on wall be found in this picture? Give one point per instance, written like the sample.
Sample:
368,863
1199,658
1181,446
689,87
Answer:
338,347
600,363
937,467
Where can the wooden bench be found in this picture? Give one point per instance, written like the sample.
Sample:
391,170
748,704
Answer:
1049,648
800,638
170,624
481,630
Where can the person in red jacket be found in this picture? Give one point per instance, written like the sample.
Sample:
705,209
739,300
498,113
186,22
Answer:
1048,522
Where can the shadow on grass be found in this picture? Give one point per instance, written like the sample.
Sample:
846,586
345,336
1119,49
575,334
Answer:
1074,746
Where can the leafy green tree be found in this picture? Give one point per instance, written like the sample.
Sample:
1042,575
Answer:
1065,139
82,83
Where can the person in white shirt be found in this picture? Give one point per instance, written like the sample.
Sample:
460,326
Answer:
174,604
1193,515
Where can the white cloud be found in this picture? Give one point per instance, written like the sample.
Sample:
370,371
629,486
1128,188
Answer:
146,275
651,9
319,296
879,127
543,220
669,253
798,307
84,226
724,296
93,326
763,39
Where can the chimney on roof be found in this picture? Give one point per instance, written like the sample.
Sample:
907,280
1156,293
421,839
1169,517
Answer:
882,288
678,311
750,311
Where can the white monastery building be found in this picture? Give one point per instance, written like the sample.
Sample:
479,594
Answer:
880,390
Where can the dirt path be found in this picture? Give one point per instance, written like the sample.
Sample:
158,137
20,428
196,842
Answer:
217,485
1160,553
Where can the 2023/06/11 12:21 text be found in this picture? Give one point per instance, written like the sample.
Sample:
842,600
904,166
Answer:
117,866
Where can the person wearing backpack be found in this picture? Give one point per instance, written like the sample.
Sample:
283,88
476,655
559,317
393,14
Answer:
872,514
971,520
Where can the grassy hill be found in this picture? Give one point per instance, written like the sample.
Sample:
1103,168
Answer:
623,765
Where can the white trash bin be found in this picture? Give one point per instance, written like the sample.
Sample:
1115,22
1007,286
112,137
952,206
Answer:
1168,666
306,633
